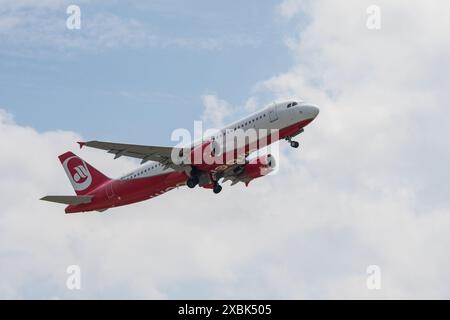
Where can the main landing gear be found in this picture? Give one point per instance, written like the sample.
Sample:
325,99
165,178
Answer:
192,182
217,188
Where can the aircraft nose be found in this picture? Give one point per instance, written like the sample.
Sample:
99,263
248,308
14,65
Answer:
313,111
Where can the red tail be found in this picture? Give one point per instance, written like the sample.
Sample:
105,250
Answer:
82,175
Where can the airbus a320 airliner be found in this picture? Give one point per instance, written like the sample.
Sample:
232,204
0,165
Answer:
166,168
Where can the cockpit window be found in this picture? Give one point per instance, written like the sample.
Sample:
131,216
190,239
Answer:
289,105
294,104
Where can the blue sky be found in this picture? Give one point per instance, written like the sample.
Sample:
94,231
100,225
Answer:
141,92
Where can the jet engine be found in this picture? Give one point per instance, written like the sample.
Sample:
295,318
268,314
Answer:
259,167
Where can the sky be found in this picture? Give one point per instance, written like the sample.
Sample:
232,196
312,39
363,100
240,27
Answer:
368,186
153,59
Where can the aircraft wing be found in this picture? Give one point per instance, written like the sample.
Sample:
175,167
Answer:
235,174
145,153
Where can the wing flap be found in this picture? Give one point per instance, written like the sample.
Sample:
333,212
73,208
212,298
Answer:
70,200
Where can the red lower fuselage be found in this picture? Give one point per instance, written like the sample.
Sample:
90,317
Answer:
116,193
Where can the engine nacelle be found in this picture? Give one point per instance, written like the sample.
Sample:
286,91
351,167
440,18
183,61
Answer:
260,167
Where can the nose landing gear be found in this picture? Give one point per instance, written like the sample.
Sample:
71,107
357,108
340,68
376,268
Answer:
294,144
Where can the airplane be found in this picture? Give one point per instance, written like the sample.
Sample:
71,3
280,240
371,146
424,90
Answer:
166,168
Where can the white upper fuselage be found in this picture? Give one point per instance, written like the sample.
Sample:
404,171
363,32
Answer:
276,116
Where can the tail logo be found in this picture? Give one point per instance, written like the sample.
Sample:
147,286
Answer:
78,173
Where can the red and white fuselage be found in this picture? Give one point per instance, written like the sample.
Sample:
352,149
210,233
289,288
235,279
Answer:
96,192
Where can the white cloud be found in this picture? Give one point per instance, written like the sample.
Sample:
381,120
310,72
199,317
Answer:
290,8
18,4
216,110
379,141
133,252
39,27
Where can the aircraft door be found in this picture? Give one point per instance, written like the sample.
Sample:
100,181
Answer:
109,190
273,115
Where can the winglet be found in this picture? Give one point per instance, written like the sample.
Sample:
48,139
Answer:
82,144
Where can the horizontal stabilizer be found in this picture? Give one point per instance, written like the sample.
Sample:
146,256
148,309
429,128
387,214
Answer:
71,200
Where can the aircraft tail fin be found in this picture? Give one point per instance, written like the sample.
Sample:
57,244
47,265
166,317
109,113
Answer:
83,177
